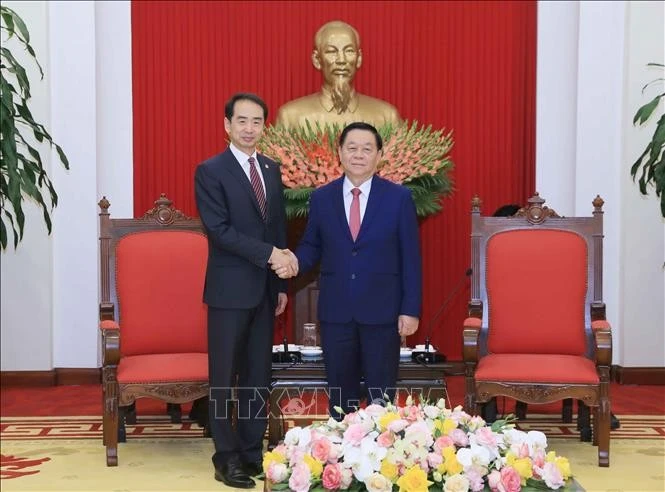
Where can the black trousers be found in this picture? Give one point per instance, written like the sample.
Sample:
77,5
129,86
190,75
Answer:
239,355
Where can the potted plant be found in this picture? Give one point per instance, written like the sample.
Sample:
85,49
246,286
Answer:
651,161
22,173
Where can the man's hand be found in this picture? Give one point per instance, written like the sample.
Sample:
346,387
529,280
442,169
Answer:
407,325
282,299
284,263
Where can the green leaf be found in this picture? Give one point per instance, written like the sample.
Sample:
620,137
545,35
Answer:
9,22
645,111
15,232
22,174
20,25
279,486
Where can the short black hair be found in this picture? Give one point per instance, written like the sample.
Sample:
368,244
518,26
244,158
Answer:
361,125
506,210
244,96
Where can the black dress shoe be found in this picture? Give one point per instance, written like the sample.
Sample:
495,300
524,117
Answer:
233,475
254,468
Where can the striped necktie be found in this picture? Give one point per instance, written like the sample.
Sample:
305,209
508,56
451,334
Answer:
257,186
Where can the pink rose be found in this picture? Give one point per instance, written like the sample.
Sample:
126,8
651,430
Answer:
494,480
375,410
347,478
475,479
485,437
539,458
524,451
300,478
442,442
459,437
297,455
332,477
434,459
351,418
321,449
411,413
355,433
510,479
552,475
385,439
397,425
277,472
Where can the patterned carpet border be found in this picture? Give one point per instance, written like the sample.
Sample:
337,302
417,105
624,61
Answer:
90,427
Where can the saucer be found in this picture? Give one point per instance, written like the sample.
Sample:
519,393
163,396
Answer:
311,351
280,348
421,348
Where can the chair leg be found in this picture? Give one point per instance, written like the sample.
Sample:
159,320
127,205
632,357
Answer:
130,414
174,410
520,410
567,411
488,411
470,405
603,429
122,421
110,418
584,422
595,426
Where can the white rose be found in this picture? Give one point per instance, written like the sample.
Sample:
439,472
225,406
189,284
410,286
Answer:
378,483
456,483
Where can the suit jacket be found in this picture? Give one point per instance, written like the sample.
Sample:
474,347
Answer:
239,240
376,278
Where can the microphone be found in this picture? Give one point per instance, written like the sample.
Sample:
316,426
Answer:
286,355
425,356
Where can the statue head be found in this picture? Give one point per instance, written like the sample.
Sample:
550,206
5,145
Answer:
337,56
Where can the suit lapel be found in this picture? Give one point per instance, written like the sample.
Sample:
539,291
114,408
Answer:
338,206
373,205
235,168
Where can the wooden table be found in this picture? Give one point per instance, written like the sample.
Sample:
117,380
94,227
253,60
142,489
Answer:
427,379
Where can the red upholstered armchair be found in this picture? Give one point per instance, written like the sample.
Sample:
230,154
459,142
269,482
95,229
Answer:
536,330
152,316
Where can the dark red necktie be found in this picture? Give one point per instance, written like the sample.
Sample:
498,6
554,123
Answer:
354,213
257,186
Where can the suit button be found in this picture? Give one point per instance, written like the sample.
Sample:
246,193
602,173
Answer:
354,252
353,276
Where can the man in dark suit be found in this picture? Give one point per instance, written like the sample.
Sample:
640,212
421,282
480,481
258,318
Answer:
364,231
240,201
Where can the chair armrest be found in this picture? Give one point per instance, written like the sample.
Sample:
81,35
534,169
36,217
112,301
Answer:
602,334
470,336
110,342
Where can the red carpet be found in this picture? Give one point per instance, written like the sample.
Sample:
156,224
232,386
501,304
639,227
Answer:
86,400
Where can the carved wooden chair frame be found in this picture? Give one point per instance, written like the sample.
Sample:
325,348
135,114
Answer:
598,337
114,395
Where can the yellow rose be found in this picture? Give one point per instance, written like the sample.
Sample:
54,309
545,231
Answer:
388,470
272,457
564,467
414,480
450,464
386,418
448,425
314,465
524,467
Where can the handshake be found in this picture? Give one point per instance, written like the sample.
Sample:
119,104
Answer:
283,262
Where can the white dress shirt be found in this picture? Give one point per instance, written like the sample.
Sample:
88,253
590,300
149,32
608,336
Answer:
365,188
243,159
